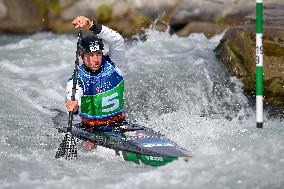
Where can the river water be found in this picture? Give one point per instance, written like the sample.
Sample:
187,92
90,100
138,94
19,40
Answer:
174,85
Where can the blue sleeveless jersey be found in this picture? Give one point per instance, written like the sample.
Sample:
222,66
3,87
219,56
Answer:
102,91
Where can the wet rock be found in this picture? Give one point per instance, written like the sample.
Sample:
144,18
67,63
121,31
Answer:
128,16
77,8
19,16
118,15
3,9
120,8
195,10
208,17
209,29
129,24
153,8
223,13
237,51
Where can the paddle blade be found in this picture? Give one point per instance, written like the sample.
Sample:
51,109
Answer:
61,149
70,149
67,148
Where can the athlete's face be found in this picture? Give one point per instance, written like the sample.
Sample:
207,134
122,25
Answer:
93,60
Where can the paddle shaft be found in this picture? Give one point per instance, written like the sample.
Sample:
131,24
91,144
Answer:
67,147
75,78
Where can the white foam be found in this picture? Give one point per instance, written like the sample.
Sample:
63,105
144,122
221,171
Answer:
174,85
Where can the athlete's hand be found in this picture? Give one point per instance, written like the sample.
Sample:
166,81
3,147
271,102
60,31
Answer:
82,22
71,105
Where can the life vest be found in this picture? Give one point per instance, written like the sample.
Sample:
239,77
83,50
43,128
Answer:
103,94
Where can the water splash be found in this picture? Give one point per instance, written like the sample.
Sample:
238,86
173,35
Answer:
174,85
167,73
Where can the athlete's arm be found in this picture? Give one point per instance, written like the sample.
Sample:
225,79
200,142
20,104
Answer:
116,44
73,105
114,39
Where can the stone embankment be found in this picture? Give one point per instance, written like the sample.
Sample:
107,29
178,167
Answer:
237,51
126,16
129,17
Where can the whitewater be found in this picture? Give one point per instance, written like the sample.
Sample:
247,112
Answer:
174,85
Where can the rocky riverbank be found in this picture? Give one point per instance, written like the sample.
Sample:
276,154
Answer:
237,51
210,17
126,16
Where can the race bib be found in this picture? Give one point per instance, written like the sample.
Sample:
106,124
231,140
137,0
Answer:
104,104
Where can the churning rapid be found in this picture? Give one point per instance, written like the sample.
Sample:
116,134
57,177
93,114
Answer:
174,85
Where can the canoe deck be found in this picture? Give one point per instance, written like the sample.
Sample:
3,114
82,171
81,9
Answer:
134,142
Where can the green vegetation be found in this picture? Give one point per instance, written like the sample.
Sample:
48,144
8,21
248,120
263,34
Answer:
50,6
237,53
104,13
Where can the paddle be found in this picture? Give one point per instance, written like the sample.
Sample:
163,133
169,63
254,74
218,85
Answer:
67,147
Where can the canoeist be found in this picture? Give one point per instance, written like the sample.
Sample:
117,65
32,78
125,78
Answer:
99,98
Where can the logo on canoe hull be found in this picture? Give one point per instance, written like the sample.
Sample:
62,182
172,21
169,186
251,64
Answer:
154,158
135,135
156,144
